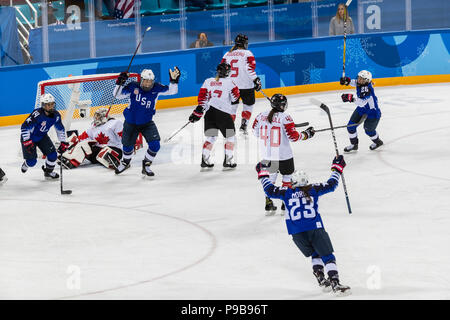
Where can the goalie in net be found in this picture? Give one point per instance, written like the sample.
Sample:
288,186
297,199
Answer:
100,144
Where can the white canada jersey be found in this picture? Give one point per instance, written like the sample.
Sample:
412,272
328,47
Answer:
218,94
273,138
243,66
107,134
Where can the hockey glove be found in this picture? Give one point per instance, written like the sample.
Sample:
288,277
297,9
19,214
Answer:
29,145
262,170
308,133
122,78
345,81
257,83
174,75
348,97
338,164
196,114
63,147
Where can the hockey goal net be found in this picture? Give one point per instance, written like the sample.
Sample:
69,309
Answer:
78,97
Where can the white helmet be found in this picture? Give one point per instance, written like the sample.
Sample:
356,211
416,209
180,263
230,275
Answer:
47,98
299,179
366,75
100,117
147,74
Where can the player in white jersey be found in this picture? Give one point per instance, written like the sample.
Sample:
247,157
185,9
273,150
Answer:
101,143
215,98
275,129
243,73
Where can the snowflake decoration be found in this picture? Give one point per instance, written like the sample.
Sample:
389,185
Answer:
184,75
409,67
357,51
206,56
311,74
423,50
287,56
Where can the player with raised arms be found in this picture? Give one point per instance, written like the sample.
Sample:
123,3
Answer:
243,64
304,223
366,103
139,114
215,100
34,134
275,129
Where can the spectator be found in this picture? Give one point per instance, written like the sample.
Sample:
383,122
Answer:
201,42
337,22
52,20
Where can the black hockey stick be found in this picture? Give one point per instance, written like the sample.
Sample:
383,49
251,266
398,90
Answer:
265,95
327,110
176,132
363,118
303,124
61,177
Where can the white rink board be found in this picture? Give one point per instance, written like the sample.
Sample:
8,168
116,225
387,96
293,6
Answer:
192,235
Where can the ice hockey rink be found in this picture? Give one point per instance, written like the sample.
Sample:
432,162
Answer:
204,235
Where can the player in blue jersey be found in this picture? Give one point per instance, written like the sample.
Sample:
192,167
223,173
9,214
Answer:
304,222
366,104
139,114
34,134
3,177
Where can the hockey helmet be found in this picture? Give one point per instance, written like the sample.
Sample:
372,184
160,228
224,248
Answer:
223,70
147,79
365,76
100,117
299,179
279,102
48,102
241,41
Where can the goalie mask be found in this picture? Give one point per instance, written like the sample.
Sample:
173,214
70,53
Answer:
299,179
147,79
48,103
100,117
364,77
279,102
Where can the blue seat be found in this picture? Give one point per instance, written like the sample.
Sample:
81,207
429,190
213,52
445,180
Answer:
171,6
216,4
254,3
25,9
151,7
238,3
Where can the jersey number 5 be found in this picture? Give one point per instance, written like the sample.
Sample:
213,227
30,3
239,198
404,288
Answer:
296,214
233,68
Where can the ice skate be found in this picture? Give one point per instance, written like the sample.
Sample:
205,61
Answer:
270,208
350,148
49,174
24,167
146,171
243,128
228,163
283,209
206,165
376,143
122,167
324,283
339,290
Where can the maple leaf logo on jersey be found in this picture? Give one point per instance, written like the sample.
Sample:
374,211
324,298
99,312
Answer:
102,139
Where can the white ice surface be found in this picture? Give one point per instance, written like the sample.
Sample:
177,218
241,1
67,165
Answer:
193,235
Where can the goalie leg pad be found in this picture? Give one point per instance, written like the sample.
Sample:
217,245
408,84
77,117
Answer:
108,157
75,156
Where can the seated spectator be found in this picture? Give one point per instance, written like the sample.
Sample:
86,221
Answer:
52,20
201,42
337,22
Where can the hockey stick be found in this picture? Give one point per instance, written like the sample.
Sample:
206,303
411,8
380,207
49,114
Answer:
345,36
265,95
61,178
176,132
327,110
303,124
363,118
129,65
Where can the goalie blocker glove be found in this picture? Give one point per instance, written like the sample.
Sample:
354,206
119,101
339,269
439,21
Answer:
174,75
347,97
338,164
345,81
122,78
196,114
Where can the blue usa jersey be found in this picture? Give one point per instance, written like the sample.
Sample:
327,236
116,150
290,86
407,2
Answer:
366,101
302,212
37,125
142,103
